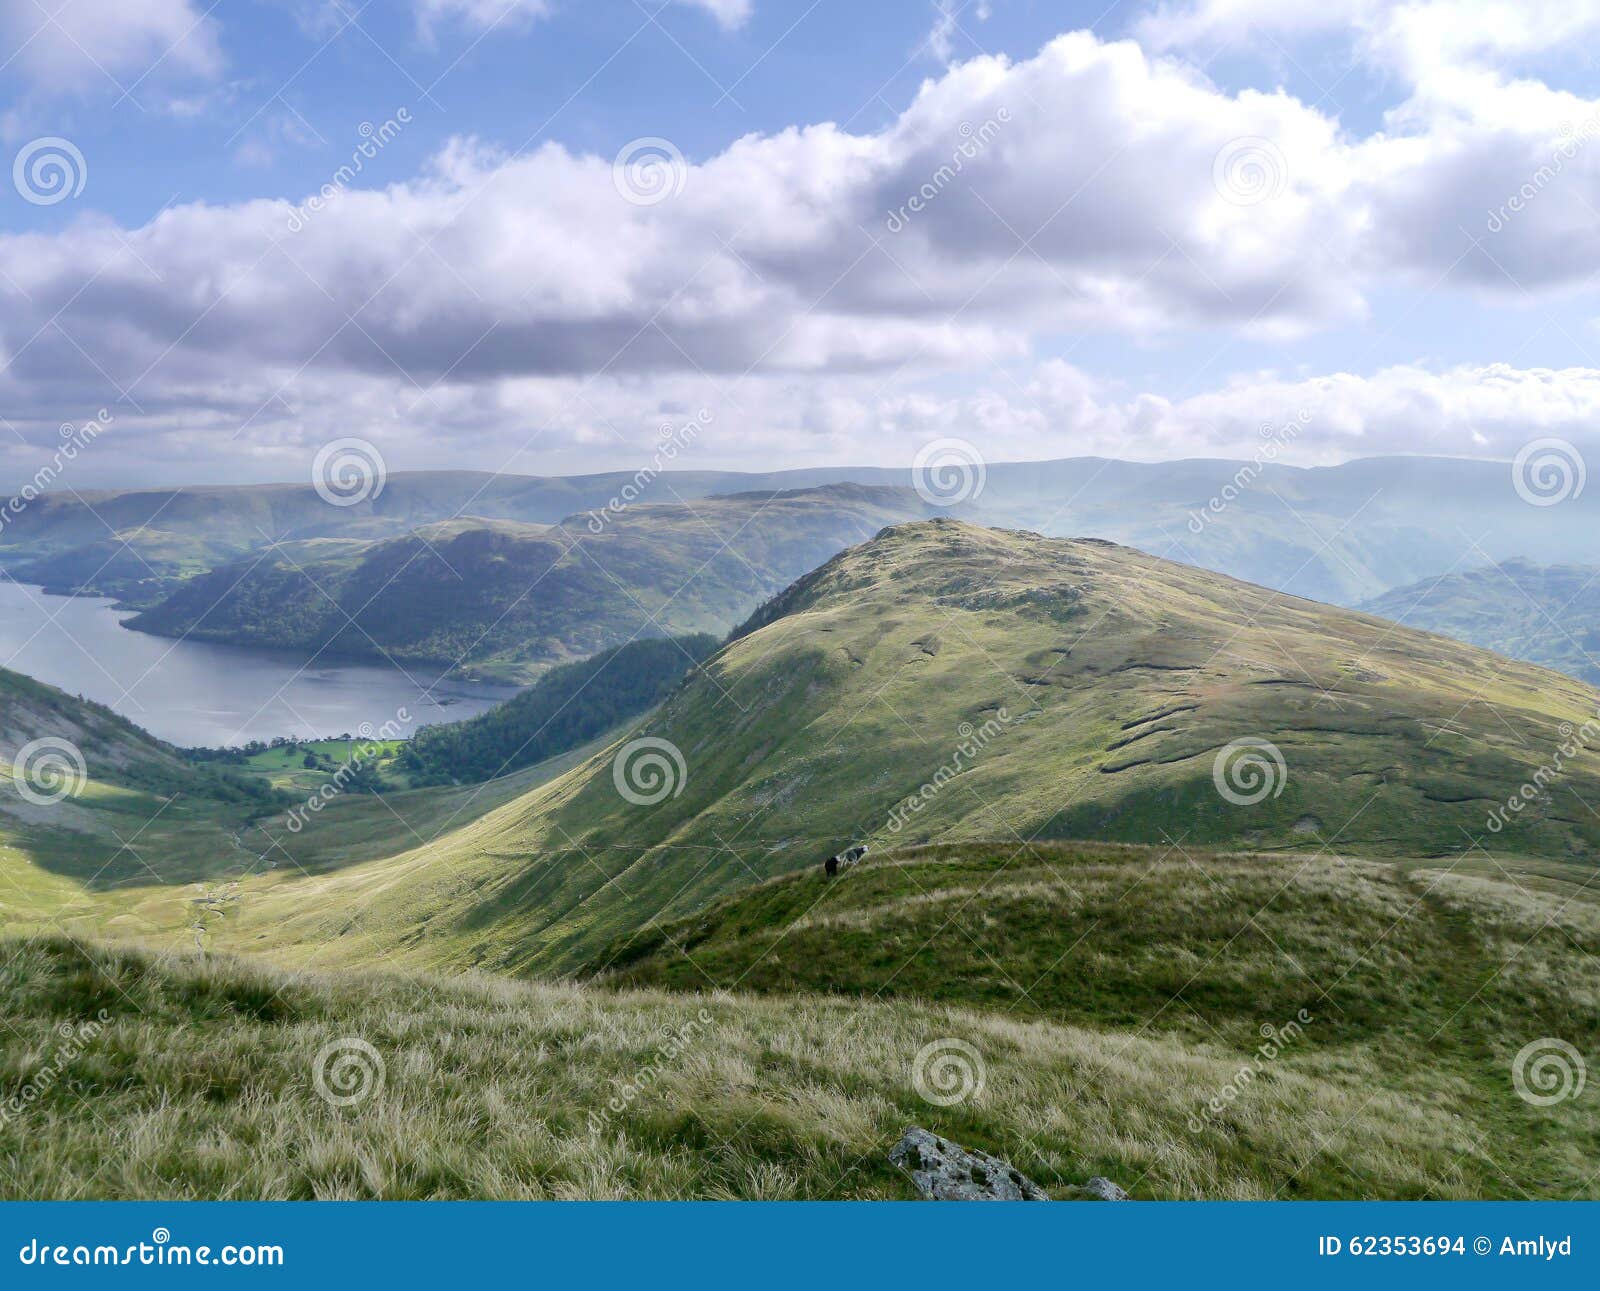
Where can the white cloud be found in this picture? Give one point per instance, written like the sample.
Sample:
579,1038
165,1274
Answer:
728,13
823,284
515,15
1420,40
64,45
949,15
479,15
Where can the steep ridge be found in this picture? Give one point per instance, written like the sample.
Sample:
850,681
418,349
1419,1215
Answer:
945,682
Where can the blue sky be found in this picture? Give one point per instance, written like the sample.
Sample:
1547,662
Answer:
1144,231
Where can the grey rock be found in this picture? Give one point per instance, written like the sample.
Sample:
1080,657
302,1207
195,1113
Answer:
1097,1189
945,1171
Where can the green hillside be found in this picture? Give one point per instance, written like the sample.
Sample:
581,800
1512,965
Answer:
139,568
505,600
1039,689
1546,614
177,1078
570,705
93,811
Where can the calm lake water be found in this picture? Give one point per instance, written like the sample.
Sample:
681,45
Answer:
193,693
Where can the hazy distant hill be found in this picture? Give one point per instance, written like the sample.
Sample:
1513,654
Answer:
505,599
1548,614
1341,534
140,567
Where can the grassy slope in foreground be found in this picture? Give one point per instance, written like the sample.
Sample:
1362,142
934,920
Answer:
1548,614
201,1083
1122,677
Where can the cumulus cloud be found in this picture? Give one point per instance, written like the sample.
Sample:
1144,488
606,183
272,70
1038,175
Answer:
819,283
63,45
1415,38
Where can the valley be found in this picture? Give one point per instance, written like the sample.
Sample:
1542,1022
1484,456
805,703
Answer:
1122,814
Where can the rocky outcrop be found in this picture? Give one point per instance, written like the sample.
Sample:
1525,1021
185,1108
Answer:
945,1171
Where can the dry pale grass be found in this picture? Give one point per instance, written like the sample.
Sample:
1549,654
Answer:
201,1085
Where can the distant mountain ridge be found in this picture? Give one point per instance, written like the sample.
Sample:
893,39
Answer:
1547,614
1341,534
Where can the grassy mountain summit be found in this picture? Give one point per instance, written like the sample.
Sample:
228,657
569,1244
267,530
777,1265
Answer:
505,600
945,682
1546,614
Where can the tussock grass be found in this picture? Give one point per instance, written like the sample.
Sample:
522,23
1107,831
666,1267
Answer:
201,1085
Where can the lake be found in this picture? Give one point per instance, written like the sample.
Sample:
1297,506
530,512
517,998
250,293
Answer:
193,693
